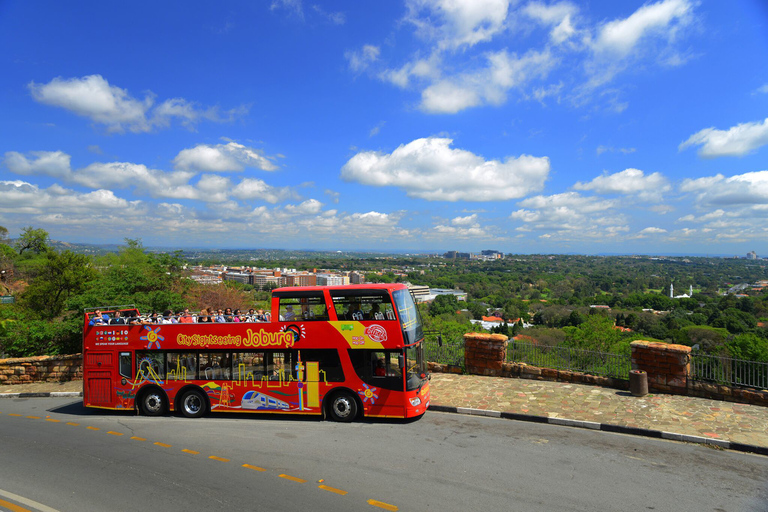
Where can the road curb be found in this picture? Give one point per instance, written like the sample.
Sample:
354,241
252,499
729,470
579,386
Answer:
619,429
55,394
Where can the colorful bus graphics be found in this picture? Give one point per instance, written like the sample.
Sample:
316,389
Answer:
338,351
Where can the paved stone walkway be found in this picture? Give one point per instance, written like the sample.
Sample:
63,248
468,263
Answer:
727,421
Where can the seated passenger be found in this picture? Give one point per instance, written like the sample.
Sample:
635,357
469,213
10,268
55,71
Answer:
205,316
99,319
380,369
289,314
117,319
168,317
134,319
186,318
220,317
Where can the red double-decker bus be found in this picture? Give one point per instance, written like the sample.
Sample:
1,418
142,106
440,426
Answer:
341,351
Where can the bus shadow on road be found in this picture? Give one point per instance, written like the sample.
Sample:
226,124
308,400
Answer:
77,409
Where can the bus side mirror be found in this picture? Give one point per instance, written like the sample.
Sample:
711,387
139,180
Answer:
401,361
439,340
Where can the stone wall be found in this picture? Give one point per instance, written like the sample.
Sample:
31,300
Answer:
668,369
24,370
485,354
667,365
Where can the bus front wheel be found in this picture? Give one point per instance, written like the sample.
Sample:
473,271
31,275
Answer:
193,404
343,407
152,403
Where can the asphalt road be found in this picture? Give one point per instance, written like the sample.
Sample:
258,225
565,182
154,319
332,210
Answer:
60,455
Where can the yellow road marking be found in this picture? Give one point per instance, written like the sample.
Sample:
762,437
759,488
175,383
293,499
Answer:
193,452
163,445
332,489
257,468
138,438
220,459
34,417
73,424
14,414
115,433
93,428
13,508
293,479
381,504
52,420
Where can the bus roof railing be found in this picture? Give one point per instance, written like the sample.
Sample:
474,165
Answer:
110,308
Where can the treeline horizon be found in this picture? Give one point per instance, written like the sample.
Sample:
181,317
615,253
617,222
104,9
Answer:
554,293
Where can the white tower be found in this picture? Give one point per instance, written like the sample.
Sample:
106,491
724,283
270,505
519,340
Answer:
671,291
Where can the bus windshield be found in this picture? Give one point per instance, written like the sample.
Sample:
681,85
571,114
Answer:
409,317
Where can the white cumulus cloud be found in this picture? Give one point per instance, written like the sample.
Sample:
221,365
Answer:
221,158
429,168
629,182
739,140
49,163
95,98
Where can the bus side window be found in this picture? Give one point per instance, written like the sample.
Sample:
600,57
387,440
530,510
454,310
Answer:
125,365
280,366
307,307
248,366
367,362
362,305
328,365
151,365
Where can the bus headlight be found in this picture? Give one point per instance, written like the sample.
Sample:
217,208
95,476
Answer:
415,401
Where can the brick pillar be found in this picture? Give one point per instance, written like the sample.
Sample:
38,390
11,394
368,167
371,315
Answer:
667,365
484,353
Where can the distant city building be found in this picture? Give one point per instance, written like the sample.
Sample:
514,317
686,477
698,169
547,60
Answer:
332,280
237,276
493,254
752,255
420,292
262,280
301,279
434,292
356,278
455,255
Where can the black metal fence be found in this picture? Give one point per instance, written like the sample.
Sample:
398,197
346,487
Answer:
542,356
729,371
559,357
452,351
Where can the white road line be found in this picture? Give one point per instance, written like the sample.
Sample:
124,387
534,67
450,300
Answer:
30,503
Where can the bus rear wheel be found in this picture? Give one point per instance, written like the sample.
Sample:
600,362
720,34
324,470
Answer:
152,403
193,404
343,407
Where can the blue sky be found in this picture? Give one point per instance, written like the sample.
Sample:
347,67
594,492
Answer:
423,125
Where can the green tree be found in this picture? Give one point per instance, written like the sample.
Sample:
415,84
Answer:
444,304
32,239
151,282
595,333
748,346
58,277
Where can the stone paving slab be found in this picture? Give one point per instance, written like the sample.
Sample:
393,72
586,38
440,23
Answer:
676,416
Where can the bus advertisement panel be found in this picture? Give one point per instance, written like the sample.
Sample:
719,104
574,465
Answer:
338,351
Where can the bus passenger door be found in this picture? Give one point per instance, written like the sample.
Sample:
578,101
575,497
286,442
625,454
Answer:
100,369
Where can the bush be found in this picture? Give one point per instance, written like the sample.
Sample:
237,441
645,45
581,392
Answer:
33,337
